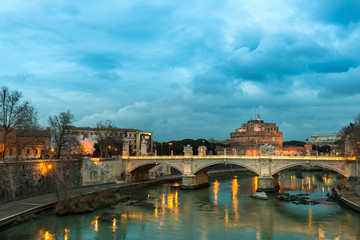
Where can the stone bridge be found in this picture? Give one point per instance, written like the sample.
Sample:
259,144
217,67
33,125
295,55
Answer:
194,168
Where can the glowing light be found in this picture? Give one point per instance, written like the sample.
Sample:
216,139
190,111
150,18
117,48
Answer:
114,225
46,235
234,189
66,235
95,222
170,200
176,185
255,179
176,199
163,199
43,168
226,217
216,187
235,201
321,233
49,166
156,212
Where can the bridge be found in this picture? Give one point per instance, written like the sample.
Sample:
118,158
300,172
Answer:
194,168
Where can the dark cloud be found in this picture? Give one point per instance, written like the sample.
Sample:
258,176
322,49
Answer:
337,85
187,69
335,11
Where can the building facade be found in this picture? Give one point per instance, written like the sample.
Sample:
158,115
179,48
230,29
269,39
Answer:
323,139
27,144
255,133
88,137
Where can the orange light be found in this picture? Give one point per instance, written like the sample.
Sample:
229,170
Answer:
49,166
52,149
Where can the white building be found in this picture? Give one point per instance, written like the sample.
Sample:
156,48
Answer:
323,139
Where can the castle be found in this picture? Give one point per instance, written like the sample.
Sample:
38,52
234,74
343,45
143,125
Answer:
254,135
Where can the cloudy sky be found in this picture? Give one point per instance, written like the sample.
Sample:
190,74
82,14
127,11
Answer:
186,69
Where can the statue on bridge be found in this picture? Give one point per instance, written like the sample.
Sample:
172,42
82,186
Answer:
267,149
188,151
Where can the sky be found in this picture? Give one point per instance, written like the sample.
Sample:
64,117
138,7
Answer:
186,69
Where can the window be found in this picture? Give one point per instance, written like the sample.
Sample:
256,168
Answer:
27,151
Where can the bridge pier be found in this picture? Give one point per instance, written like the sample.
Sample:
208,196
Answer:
195,180
268,184
136,177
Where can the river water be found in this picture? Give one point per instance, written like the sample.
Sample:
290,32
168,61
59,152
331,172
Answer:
222,211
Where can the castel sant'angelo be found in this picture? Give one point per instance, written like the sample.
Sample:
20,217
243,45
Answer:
248,139
256,133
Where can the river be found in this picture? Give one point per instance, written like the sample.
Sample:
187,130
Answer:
222,211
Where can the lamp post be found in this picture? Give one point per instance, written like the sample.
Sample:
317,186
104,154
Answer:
170,144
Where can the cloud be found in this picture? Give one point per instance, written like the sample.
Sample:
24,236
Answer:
186,69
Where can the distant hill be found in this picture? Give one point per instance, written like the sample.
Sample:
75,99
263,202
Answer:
293,143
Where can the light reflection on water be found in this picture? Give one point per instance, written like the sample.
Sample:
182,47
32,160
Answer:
222,211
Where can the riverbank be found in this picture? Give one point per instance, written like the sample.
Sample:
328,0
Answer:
347,196
25,209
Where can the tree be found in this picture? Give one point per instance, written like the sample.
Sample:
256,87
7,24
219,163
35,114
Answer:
350,139
109,140
15,114
59,127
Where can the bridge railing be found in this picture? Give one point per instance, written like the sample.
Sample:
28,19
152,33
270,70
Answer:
207,157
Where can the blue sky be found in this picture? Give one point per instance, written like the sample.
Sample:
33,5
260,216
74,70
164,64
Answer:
186,69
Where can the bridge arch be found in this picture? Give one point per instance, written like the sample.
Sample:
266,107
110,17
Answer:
322,165
208,166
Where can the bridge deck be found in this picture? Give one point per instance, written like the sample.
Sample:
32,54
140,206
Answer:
322,158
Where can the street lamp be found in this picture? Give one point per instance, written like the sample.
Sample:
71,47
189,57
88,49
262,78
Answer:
170,144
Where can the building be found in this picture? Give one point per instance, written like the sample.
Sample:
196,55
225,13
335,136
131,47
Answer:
27,144
319,140
256,133
88,137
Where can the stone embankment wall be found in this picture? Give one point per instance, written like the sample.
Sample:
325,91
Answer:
114,166
20,179
95,174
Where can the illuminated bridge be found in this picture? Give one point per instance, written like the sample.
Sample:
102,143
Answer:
194,168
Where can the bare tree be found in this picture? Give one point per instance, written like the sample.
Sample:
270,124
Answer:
109,139
14,114
350,140
59,127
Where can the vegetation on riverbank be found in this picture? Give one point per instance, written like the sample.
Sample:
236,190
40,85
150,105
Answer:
88,203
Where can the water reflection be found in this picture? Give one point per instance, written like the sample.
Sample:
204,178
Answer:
307,181
222,211
95,223
235,201
216,188
45,235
